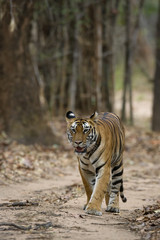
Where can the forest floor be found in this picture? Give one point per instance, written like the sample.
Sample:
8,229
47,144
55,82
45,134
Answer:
42,195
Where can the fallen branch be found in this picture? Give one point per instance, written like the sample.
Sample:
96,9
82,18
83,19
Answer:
19,204
43,225
16,226
108,224
37,226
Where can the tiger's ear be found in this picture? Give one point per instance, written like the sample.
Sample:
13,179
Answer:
94,116
69,115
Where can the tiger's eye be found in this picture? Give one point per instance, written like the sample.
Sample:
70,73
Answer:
72,130
86,130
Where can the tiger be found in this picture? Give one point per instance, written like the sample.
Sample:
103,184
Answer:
98,142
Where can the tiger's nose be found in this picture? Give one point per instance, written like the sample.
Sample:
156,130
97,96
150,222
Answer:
78,142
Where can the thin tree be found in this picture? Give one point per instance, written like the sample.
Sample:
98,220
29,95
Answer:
156,92
98,54
64,71
111,11
127,76
74,76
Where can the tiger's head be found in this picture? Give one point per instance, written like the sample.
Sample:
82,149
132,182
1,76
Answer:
81,132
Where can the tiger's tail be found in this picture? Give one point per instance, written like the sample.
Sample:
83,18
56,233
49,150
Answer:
124,199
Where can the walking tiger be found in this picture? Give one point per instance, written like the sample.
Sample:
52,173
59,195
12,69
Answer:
98,142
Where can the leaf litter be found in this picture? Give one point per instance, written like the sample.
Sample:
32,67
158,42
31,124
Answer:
146,221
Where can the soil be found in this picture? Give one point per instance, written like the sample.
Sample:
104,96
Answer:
42,195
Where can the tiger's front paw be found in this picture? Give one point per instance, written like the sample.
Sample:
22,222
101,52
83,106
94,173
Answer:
93,211
112,209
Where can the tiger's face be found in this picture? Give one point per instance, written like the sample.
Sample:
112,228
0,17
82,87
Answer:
81,132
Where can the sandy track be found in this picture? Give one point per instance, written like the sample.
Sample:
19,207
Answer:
59,213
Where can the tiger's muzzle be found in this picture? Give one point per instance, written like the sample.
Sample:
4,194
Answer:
79,147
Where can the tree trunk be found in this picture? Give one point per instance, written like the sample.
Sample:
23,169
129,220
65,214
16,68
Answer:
86,80
74,77
110,13
156,101
128,67
64,73
98,55
21,114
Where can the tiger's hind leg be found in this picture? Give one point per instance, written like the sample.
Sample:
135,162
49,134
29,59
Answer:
117,181
113,204
112,200
112,197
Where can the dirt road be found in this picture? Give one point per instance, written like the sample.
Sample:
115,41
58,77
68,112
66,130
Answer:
53,209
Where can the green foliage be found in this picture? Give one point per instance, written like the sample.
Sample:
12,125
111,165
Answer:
119,75
150,7
121,17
